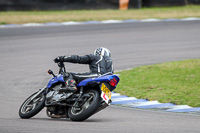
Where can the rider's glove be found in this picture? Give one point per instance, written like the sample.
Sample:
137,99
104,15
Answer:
59,59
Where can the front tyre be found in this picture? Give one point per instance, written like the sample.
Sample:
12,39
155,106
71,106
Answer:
31,107
87,109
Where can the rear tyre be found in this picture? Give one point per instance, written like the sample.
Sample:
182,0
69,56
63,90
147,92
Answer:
31,107
87,109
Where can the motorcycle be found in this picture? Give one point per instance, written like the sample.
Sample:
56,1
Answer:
92,95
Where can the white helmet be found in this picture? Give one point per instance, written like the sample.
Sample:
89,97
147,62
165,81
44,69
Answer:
102,51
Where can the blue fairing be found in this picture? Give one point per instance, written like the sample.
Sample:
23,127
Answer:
106,78
54,80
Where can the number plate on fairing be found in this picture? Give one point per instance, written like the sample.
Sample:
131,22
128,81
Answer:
106,93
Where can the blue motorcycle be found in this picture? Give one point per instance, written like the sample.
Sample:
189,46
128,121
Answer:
92,95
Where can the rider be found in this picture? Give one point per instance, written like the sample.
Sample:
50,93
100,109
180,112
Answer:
100,63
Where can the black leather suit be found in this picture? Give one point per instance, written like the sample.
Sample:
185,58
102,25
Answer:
99,65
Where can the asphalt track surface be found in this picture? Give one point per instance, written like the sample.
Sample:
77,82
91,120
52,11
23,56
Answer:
27,52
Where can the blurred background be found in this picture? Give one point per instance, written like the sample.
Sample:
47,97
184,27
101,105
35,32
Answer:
20,5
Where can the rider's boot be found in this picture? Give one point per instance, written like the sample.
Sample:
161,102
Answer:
70,86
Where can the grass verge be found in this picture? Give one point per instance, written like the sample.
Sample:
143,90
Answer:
20,17
174,82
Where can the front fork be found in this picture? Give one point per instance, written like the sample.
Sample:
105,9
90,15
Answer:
38,93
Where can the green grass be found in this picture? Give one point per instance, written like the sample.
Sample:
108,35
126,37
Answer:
174,82
20,17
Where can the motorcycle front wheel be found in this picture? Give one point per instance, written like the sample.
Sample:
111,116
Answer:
31,107
87,109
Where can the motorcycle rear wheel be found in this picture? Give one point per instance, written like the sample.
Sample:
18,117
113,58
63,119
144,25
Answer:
31,107
87,109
